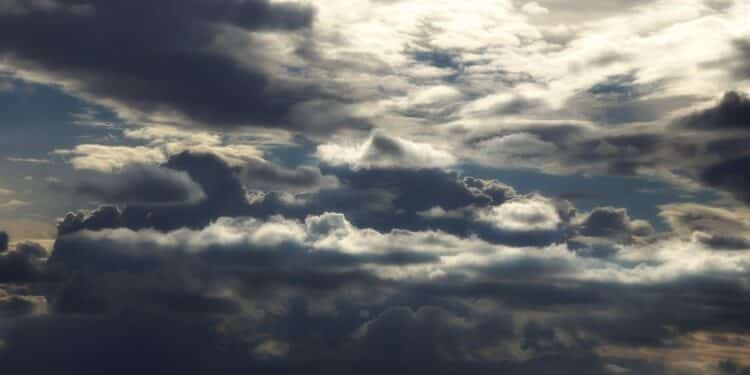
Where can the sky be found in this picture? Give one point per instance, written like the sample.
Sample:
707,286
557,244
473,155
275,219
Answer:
374,186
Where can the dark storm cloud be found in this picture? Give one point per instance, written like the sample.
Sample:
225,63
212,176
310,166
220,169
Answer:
3,241
142,185
13,306
731,175
732,112
31,249
16,267
153,56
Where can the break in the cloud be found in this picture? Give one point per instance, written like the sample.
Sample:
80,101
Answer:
372,186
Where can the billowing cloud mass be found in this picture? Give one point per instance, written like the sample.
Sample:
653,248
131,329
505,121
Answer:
383,151
375,186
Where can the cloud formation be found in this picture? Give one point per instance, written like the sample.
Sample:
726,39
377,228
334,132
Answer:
372,186
381,150
158,69
142,185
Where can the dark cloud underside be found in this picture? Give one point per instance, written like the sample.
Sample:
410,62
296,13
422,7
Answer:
125,52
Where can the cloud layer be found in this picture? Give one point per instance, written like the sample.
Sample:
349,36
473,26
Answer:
371,186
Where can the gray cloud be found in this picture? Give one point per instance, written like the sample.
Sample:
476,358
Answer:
3,241
731,175
742,68
384,257
142,185
621,99
267,176
732,112
160,67
717,227
614,223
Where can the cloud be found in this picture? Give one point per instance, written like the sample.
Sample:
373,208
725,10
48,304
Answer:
24,7
524,215
222,190
158,71
105,158
518,149
384,151
716,227
277,289
21,267
533,8
732,112
13,204
3,241
615,224
742,67
31,249
266,176
28,160
142,185
730,175
233,250
625,98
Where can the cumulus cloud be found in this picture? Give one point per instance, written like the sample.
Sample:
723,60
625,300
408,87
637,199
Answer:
222,193
381,150
524,215
533,8
396,296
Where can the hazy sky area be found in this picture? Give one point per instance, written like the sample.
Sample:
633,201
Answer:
375,186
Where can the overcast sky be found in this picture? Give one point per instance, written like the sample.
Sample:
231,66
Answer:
372,186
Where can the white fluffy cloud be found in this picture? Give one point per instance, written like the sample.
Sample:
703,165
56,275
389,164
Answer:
524,215
384,151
